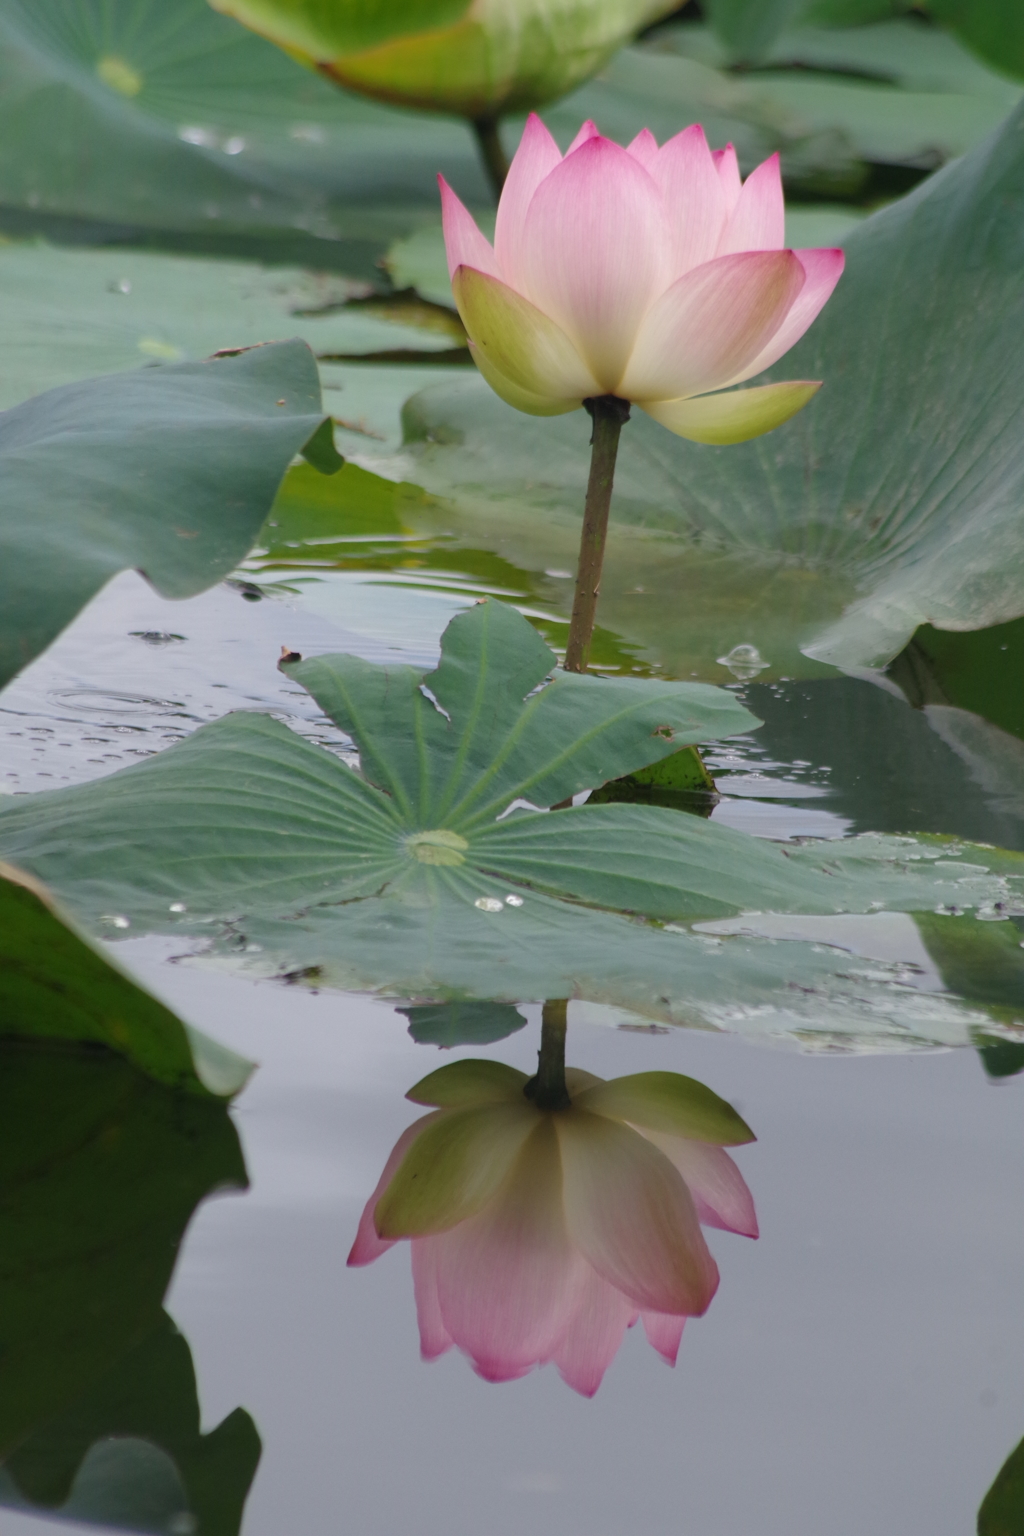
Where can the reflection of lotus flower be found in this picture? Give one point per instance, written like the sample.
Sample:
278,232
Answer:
540,1235
477,58
649,274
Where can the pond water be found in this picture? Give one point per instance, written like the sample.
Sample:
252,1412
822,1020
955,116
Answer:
862,1366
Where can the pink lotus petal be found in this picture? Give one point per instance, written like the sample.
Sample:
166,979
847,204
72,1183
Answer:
434,1336
644,148
758,221
596,253
536,157
463,242
711,324
695,201
823,268
664,1333
728,170
587,132
631,1216
713,1179
592,1338
507,1280
368,1246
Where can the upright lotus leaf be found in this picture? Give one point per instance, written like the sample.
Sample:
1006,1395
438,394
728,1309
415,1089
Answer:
101,1170
478,58
55,987
894,502
1002,1508
419,877
168,470
130,1448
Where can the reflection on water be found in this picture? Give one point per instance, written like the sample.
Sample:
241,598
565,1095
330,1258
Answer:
547,1215
101,1170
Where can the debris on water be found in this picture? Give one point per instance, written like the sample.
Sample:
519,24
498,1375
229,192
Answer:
155,636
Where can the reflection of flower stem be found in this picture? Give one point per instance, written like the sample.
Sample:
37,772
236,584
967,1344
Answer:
547,1089
608,414
492,153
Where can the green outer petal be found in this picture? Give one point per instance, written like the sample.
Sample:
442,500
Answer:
669,1102
519,340
733,417
519,399
462,1084
454,1169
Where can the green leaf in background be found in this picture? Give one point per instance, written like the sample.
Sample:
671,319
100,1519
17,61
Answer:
993,28
406,878
101,1170
129,1452
479,61
749,27
1002,1509
55,987
70,314
462,1023
162,116
893,501
169,470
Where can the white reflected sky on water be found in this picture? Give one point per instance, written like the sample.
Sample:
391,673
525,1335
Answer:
861,1369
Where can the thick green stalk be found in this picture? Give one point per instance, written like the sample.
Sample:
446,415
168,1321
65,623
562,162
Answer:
547,1089
492,152
608,414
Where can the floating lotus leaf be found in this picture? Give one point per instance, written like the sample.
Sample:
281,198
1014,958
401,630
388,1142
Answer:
423,874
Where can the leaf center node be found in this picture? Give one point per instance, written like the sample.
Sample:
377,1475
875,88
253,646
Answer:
437,847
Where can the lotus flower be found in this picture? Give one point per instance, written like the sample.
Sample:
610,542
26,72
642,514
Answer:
477,58
543,1235
652,275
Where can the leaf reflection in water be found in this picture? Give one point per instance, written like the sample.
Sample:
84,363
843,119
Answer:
543,1234
101,1170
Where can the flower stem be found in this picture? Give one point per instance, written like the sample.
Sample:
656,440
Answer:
547,1089
492,153
608,414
